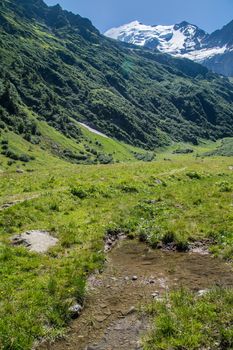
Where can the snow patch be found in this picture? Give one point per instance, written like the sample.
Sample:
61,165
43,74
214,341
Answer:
93,130
176,43
202,55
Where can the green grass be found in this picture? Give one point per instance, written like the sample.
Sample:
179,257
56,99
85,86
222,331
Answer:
224,149
53,147
119,150
79,204
188,322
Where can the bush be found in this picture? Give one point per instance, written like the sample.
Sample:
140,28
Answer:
183,151
169,237
124,187
225,186
24,158
4,147
194,175
104,158
4,142
10,154
79,192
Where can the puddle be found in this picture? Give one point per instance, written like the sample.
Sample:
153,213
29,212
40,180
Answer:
134,275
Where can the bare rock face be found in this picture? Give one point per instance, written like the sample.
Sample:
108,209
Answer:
36,241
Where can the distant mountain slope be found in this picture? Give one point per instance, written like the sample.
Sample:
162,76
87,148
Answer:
57,67
214,50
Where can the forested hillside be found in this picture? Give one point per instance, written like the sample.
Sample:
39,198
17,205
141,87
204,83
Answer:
57,68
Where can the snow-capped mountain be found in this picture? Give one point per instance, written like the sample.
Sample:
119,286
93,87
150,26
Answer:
174,39
183,40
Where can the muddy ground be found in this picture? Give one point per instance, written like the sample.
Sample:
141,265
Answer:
133,276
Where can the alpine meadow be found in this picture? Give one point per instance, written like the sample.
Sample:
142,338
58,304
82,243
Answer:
116,187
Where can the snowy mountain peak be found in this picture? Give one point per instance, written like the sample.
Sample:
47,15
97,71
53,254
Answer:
183,40
173,39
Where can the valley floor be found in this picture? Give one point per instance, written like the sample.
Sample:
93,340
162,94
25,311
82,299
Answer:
169,203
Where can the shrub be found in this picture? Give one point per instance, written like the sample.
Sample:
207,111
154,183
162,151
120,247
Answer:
225,186
4,147
24,158
4,142
169,237
79,192
124,187
194,175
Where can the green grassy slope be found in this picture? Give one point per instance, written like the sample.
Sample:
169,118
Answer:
225,148
17,152
79,204
59,66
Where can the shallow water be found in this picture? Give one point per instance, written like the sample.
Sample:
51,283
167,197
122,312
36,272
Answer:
134,274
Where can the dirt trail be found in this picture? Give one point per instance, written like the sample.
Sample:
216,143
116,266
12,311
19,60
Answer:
134,275
173,172
20,198
12,202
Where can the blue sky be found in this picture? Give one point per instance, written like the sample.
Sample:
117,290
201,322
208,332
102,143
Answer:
104,14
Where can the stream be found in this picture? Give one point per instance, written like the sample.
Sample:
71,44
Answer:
134,275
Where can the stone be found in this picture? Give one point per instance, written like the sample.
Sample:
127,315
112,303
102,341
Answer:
160,245
155,295
152,201
101,318
38,241
107,312
134,278
202,292
114,279
103,306
158,182
111,240
75,310
131,311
